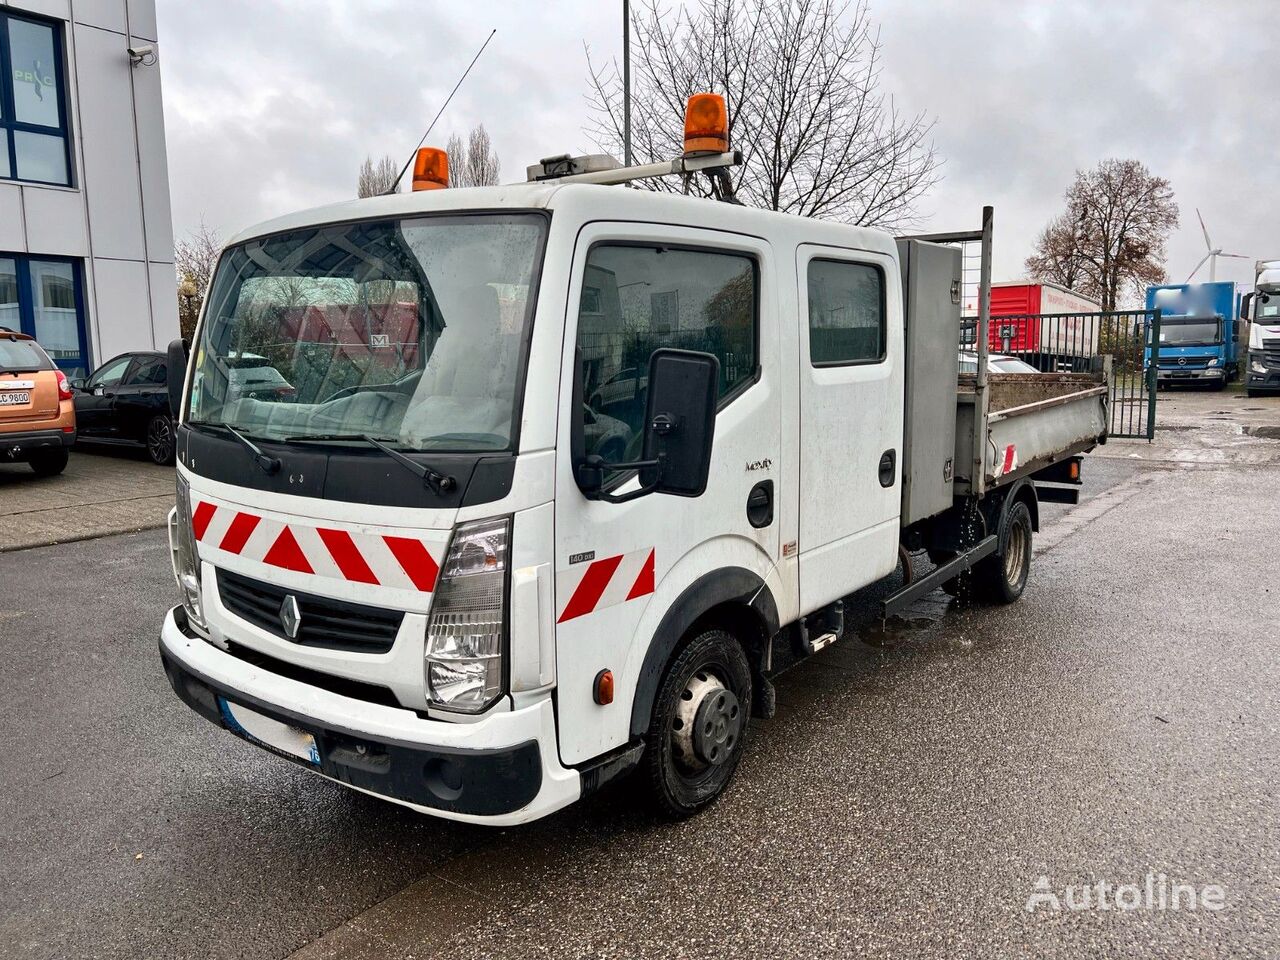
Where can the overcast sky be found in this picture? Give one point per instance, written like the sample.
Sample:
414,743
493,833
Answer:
271,105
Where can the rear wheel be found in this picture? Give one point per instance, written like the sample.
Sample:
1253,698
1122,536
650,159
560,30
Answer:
1003,576
160,440
699,724
48,463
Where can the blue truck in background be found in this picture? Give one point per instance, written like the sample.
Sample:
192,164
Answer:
1199,334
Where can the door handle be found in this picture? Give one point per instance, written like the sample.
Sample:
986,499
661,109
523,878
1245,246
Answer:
760,504
888,468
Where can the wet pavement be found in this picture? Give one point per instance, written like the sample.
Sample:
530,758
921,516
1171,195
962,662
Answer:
1122,719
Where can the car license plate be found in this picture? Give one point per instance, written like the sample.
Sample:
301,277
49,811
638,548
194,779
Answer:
269,733
10,398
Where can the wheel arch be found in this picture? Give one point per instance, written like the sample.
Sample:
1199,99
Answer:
733,598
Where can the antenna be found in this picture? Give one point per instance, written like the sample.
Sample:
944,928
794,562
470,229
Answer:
408,163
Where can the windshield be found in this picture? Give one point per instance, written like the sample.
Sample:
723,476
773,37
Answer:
22,356
408,331
1188,332
1267,307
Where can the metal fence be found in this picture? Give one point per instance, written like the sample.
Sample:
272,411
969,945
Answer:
1118,342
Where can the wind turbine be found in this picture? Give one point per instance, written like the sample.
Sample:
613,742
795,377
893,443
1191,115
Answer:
1213,254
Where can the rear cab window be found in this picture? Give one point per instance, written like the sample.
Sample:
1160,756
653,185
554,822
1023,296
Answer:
847,323
637,298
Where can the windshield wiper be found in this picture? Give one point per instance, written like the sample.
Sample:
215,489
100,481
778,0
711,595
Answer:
266,463
434,480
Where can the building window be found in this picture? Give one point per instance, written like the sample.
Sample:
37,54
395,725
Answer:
33,113
846,313
41,296
636,299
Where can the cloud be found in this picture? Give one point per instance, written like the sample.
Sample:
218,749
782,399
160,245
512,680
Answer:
272,106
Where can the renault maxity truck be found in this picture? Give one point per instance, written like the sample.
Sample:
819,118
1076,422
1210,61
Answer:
629,449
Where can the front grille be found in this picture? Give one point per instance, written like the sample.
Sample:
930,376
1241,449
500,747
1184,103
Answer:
325,623
1193,363
1271,352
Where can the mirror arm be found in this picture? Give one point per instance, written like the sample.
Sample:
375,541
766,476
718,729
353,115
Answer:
590,476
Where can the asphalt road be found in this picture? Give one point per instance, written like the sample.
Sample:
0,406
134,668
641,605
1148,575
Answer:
1124,717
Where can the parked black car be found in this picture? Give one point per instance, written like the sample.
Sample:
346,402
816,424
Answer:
126,401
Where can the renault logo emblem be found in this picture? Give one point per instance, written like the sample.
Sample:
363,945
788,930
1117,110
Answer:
290,616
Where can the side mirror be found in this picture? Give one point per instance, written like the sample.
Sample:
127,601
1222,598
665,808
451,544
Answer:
77,383
679,430
176,366
1244,305
680,421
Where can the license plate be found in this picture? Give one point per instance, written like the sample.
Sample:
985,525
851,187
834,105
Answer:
9,398
270,733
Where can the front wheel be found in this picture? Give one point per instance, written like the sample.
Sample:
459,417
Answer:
1003,576
699,724
160,440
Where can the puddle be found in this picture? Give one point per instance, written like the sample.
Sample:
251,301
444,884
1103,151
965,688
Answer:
894,632
1265,433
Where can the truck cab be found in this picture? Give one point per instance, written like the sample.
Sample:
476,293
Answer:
1199,334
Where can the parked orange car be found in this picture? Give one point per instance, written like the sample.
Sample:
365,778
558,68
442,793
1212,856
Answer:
37,415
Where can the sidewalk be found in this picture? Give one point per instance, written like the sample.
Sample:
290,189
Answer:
97,495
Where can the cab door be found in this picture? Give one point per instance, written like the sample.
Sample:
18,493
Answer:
621,566
851,400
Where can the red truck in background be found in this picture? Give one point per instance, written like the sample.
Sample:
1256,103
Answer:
1051,327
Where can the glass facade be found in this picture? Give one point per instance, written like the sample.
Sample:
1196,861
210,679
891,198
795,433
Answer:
42,297
33,113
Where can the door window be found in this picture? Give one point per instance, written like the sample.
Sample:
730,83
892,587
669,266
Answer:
846,313
636,299
147,372
110,373
57,322
10,315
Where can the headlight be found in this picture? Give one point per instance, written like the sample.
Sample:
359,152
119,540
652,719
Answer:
1256,365
182,552
1213,362
467,632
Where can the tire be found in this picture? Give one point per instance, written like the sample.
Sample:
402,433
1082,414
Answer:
1002,578
48,463
161,442
686,776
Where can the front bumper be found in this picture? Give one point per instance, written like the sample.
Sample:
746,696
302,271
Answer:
19,446
502,770
1182,375
1270,380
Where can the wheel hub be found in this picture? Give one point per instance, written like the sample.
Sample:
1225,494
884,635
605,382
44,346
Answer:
708,722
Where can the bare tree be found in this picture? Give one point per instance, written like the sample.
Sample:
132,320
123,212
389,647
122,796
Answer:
195,258
801,80
473,164
1110,242
376,178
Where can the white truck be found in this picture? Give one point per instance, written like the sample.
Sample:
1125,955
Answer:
424,575
1261,309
